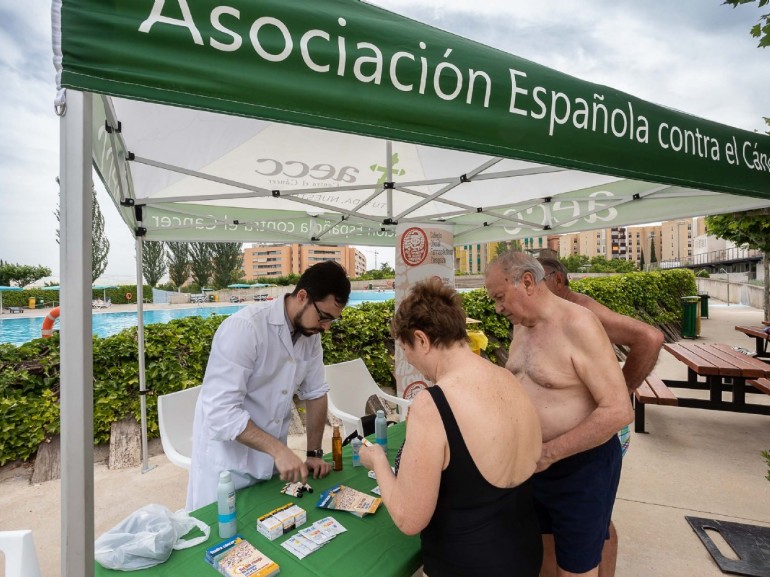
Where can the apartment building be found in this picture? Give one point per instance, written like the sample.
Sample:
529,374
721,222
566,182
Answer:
590,243
474,258
276,260
673,240
676,240
618,243
639,243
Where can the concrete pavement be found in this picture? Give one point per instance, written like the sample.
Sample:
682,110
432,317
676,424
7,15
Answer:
691,462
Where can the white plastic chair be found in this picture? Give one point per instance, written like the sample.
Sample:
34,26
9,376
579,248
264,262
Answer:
350,386
175,420
20,556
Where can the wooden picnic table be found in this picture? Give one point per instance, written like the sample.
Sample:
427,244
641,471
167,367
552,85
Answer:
719,368
760,336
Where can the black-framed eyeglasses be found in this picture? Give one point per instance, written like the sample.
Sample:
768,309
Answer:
322,316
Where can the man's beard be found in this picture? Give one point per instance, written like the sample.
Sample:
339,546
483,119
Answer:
303,330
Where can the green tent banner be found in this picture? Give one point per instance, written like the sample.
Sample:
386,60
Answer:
347,66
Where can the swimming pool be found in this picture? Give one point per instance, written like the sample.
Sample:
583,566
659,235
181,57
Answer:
18,331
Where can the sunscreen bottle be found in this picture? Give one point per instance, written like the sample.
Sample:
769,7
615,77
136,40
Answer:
226,506
381,430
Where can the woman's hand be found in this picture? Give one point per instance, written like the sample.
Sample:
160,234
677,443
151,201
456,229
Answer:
370,454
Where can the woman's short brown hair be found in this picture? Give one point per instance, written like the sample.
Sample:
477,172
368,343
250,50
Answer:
434,308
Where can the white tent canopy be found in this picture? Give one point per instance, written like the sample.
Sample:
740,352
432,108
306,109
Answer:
204,176
333,121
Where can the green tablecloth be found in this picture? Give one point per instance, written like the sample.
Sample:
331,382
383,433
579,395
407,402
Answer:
371,546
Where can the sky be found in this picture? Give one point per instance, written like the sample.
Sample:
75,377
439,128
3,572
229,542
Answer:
696,56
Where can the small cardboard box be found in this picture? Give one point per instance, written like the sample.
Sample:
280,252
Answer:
270,527
291,517
281,520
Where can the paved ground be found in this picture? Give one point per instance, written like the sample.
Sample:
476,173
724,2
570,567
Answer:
691,462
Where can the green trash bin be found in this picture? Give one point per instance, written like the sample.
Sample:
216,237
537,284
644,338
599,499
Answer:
704,305
690,328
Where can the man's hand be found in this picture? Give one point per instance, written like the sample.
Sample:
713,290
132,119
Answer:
318,466
290,466
546,459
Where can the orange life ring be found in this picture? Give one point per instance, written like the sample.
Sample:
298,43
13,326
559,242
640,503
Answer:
49,320
129,296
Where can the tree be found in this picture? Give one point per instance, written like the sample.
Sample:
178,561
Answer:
574,262
653,258
100,245
385,271
200,263
153,262
178,257
602,264
226,258
751,229
760,30
641,261
21,275
507,245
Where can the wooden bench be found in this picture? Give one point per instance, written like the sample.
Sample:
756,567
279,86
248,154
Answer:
653,391
760,384
760,337
15,310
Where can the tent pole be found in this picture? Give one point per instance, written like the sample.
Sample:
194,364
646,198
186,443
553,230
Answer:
140,334
389,174
76,343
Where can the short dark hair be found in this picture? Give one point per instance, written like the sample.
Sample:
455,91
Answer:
555,265
324,279
434,308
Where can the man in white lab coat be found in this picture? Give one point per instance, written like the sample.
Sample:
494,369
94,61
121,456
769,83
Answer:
260,357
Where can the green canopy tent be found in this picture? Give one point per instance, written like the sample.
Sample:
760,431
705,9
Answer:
103,288
239,286
4,288
332,122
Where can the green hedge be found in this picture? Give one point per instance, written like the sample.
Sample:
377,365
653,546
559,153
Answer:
175,358
116,295
651,297
177,352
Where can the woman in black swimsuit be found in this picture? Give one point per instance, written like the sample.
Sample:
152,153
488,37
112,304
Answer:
473,440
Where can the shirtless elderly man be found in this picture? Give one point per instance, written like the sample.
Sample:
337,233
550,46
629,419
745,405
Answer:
643,342
565,361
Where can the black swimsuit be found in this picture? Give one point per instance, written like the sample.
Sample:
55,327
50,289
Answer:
477,528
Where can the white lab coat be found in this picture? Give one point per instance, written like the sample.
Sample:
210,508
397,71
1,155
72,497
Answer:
252,373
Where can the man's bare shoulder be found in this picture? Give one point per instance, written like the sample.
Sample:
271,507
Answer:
578,306
585,301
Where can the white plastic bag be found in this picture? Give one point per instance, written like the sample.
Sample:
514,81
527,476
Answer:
146,538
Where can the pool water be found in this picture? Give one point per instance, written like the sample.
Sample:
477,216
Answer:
18,331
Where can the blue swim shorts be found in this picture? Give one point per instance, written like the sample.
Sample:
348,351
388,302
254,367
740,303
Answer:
574,499
624,436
